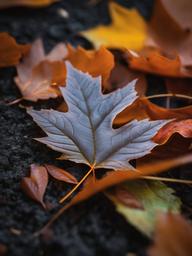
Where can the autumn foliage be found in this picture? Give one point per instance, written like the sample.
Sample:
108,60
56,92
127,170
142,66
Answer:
107,117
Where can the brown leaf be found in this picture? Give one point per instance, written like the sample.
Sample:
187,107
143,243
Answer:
35,185
121,75
10,51
174,39
29,3
173,236
183,127
152,61
37,73
126,198
96,62
92,187
179,86
180,11
60,174
143,108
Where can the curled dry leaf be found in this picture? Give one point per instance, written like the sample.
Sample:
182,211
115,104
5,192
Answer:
60,174
173,236
143,108
10,51
154,196
35,185
29,3
84,134
127,30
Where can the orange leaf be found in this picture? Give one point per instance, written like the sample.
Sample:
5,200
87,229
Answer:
154,62
60,174
173,236
92,187
10,51
143,108
183,127
174,39
29,3
35,185
95,62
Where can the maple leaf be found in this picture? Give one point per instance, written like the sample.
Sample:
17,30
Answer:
35,185
173,236
128,29
84,134
10,51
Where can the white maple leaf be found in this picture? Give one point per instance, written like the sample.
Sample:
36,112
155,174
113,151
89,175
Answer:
84,134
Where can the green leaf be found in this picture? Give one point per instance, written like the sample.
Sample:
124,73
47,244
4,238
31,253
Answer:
154,196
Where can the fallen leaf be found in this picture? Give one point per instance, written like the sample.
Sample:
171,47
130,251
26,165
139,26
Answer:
10,51
37,73
84,134
60,174
155,63
40,75
35,185
173,236
96,62
28,3
121,75
183,127
180,11
143,108
154,196
127,198
92,187
174,39
128,30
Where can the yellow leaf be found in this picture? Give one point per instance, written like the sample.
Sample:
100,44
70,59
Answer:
29,3
128,30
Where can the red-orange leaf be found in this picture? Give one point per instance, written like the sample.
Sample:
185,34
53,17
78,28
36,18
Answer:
173,236
154,62
10,51
30,3
35,185
96,62
183,127
60,174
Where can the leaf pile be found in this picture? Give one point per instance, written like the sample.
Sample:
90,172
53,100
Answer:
110,116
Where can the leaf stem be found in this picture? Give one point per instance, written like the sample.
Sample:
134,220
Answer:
189,182
169,95
78,184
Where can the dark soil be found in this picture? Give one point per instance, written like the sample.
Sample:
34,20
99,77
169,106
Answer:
91,228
